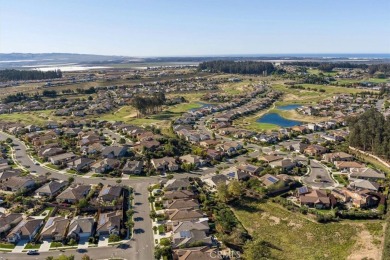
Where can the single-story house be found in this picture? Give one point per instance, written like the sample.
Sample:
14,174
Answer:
25,230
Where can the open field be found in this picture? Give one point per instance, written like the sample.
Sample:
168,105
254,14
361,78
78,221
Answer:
298,96
120,115
372,80
235,88
298,237
259,127
317,71
184,107
33,117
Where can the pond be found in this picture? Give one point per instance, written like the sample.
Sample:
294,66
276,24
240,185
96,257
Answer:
289,107
276,119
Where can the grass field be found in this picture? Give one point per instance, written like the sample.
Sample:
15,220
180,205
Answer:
372,80
35,117
296,236
298,96
119,115
184,107
317,71
260,127
235,88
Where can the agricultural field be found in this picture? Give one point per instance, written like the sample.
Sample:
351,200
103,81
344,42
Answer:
296,236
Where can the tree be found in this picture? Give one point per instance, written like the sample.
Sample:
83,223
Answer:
225,220
235,189
223,192
122,140
165,242
114,238
257,250
82,203
72,242
8,140
70,180
160,252
188,167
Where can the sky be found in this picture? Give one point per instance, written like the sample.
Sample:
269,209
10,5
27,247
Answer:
192,28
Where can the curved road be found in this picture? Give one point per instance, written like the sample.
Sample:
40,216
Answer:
143,246
319,170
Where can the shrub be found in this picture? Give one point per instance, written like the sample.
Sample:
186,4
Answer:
113,238
165,242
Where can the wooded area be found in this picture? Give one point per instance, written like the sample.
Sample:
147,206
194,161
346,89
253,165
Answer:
8,75
237,67
149,105
370,131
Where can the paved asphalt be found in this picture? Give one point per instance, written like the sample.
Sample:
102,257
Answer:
141,247
317,169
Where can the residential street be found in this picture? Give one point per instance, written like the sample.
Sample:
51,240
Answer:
140,247
319,176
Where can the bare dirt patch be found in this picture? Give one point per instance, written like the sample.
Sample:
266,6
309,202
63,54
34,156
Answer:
365,248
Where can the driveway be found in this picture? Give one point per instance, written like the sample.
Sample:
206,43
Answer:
103,240
83,243
45,247
20,246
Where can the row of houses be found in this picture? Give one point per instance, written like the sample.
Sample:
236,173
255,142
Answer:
59,228
186,223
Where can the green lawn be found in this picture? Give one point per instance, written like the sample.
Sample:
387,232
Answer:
56,244
317,71
119,115
342,179
294,235
372,80
255,126
184,107
32,246
7,245
52,166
